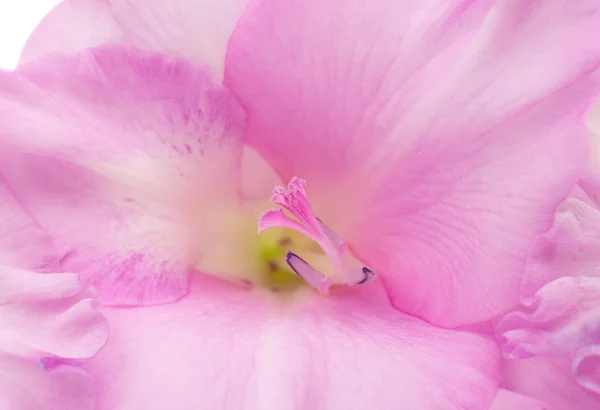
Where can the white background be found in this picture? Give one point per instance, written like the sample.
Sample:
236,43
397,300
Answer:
18,18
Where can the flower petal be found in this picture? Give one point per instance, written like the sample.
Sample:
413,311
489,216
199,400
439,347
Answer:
120,147
223,347
549,380
198,30
559,320
586,367
23,244
563,317
25,386
508,400
570,248
47,323
429,121
48,315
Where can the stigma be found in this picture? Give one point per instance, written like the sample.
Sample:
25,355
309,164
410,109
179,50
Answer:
303,220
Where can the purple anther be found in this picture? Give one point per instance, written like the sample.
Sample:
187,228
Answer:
314,278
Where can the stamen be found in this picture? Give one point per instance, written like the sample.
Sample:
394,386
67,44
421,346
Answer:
359,276
369,275
315,279
295,201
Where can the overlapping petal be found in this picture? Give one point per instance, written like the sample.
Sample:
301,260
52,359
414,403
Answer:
115,153
549,380
48,322
562,318
570,248
430,122
222,347
556,331
198,30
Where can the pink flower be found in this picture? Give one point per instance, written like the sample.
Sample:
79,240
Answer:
47,321
557,329
426,145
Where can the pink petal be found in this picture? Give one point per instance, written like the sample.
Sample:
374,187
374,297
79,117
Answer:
563,317
122,149
549,380
560,319
25,386
422,127
22,243
593,121
222,347
570,248
198,30
586,367
46,321
47,315
508,400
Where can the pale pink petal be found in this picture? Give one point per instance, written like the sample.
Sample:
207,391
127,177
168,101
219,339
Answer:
48,315
121,149
25,386
22,243
47,324
562,317
549,380
559,320
586,367
422,127
508,400
222,347
197,30
72,25
570,248
47,321
593,121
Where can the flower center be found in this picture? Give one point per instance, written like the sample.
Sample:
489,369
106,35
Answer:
294,200
292,248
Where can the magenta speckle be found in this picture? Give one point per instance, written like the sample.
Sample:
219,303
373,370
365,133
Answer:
188,148
176,149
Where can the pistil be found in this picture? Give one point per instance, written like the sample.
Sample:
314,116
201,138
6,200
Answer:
294,200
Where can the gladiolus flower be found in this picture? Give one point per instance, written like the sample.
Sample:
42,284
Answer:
416,148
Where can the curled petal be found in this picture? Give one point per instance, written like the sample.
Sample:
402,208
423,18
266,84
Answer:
48,315
48,322
563,317
570,248
586,367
